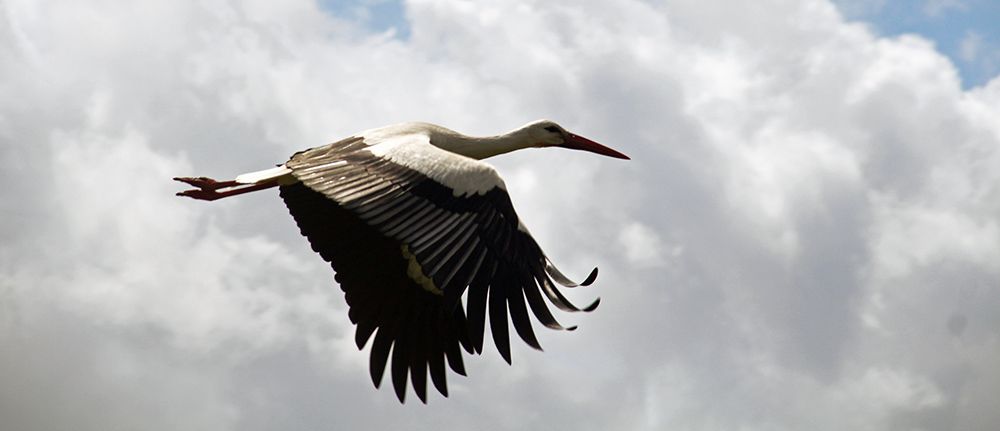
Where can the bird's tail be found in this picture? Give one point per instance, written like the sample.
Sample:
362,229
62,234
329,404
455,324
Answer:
264,176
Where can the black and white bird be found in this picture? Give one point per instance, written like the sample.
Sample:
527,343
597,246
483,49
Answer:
410,220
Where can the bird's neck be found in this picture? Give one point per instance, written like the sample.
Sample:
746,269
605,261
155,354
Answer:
487,146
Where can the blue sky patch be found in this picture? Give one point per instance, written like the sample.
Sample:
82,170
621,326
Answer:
375,15
967,31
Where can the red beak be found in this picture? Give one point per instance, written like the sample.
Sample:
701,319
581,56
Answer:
578,142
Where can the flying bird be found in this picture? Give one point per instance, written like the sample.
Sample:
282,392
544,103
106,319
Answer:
411,220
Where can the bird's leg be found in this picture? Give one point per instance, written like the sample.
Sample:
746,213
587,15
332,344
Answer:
209,189
206,183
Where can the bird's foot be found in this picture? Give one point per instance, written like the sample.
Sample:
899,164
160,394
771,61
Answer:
202,194
207,188
206,183
210,190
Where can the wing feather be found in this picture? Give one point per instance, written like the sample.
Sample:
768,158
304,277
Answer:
519,316
400,366
498,317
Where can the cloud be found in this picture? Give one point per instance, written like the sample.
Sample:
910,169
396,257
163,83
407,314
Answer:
979,54
971,46
810,212
937,7
859,8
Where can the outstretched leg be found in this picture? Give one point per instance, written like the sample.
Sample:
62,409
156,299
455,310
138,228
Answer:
210,190
206,183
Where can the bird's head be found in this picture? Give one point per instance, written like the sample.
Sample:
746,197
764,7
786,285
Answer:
546,133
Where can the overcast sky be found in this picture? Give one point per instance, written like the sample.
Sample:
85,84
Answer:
807,236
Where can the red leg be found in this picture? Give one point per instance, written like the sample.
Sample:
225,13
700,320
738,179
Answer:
206,183
208,189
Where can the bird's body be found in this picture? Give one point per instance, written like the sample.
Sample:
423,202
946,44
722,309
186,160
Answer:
411,220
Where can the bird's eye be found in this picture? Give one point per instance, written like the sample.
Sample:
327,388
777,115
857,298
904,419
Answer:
552,129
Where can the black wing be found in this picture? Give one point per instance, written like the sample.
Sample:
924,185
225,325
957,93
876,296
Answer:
405,248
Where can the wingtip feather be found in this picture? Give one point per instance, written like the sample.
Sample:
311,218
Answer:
590,278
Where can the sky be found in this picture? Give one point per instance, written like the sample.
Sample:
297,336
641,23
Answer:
963,30
807,235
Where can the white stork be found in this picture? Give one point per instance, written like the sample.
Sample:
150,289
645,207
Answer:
410,219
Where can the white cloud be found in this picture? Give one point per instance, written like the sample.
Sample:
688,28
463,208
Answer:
970,46
643,246
937,7
808,212
856,8
981,57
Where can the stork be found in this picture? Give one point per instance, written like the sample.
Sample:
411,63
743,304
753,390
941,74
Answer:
410,220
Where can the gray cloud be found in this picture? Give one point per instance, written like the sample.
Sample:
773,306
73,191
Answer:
806,237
